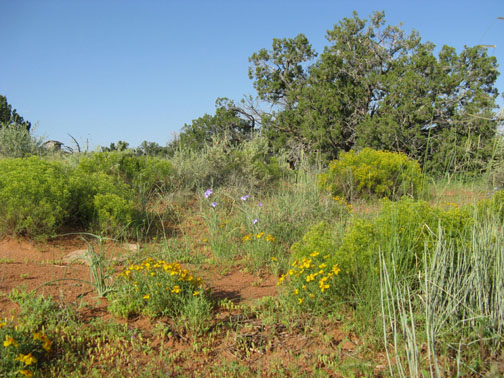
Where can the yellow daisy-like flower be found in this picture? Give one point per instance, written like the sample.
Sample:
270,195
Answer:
2,324
314,254
9,341
260,235
335,269
28,359
146,296
176,289
26,373
274,259
196,293
300,300
270,238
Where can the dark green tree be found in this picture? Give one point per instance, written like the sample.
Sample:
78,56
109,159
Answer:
9,116
230,121
376,86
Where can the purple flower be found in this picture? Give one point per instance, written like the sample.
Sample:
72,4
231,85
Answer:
260,204
255,221
208,193
213,204
244,198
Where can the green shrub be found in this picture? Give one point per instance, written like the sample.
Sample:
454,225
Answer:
16,141
157,288
409,226
113,215
493,206
406,225
248,165
144,173
372,173
84,187
34,196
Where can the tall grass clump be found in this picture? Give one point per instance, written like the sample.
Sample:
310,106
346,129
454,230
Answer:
370,173
16,142
453,307
248,165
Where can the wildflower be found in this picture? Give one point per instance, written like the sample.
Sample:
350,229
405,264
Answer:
300,300
195,293
260,235
274,258
246,238
205,240
9,341
213,204
3,324
244,198
255,221
335,269
146,296
314,254
260,204
270,238
208,193
26,373
28,359
176,289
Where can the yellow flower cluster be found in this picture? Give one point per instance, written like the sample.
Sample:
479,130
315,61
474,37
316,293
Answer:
307,272
152,268
26,359
269,238
342,202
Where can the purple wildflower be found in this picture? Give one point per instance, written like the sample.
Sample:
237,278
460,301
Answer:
255,221
213,204
208,193
244,198
260,204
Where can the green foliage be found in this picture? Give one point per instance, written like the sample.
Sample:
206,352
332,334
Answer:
376,86
371,173
493,206
9,116
113,213
408,226
230,122
17,141
248,165
34,197
23,352
157,288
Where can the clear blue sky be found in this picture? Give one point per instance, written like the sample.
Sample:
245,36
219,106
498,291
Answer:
108,70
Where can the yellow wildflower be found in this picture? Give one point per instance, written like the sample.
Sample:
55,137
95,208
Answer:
176,289
3,324
26,373
195,293
274,259
9,341
335,269
270,238
260,235
314,254
300,300
146,296
28,359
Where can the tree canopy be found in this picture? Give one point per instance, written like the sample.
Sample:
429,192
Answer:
9,116
374,85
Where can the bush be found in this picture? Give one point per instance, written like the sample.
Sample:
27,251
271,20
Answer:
408,226
144,173
34,197
17,141
157,288
113,215
220,164
372,173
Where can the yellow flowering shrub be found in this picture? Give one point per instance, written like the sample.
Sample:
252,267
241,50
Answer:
309,284
156,288
22,352
371,173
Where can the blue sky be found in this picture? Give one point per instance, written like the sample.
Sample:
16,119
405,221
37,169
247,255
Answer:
108,70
